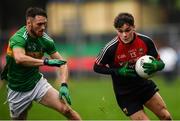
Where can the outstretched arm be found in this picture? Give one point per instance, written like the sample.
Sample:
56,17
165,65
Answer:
63,70
63,78
122,71
103,69
21,58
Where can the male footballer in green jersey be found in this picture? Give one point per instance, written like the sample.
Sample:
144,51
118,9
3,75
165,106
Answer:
25,83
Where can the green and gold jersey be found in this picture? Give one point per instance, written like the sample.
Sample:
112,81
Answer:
24,78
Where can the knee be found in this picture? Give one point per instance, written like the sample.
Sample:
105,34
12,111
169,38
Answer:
71,114
66,112
166,116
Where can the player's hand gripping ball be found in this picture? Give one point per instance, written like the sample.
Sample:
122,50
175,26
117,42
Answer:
139,65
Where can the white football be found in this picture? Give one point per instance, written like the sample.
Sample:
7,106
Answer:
139,65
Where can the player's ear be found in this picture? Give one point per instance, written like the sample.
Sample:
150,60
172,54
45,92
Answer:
28,21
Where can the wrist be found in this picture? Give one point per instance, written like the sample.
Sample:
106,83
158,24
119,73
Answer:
160,65
46,61
64,84
116,71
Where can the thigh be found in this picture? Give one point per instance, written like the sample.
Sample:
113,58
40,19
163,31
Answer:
23,115
51,99
129,104
18,103
139,115
157,105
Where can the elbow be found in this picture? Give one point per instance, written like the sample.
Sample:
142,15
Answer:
95,68
19,60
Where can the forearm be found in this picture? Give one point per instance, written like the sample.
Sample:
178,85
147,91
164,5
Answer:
62,70
104,69
63,74
29,61
20,57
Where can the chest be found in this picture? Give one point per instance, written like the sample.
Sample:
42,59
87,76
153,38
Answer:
34,49
129,52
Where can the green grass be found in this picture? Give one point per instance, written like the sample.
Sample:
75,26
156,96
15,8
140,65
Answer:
93,99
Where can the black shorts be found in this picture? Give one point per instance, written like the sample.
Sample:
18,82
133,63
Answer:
133,102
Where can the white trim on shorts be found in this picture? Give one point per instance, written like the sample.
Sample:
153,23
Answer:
19,101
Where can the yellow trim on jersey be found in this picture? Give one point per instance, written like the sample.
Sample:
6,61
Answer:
9,51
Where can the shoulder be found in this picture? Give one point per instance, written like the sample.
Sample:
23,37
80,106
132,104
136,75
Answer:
48,43
144,37
19,38
20,34
147,40
47,38
111,44
109,48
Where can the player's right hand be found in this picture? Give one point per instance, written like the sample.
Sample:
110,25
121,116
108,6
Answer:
125,71
54,62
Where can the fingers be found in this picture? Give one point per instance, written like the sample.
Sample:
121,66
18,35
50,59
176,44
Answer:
131,72
151,58
147,64
149,71
61,62
126,65
54,62
58,63
64,94
67,98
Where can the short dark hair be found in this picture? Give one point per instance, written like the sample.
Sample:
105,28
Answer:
33,11
123,18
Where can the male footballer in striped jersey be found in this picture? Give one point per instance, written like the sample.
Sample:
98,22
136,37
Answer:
25,83
118,59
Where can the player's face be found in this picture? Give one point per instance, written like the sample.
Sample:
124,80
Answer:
126,33
38,25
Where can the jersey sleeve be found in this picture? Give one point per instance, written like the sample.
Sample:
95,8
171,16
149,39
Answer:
50,45
17,41
51,48
105,56
102,60
151,47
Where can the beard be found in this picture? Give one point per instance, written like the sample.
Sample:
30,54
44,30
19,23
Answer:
34,32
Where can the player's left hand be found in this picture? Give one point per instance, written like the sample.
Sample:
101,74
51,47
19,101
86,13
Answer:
125,71
155,65
64,93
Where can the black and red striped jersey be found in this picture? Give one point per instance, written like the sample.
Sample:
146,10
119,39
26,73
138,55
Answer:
116,54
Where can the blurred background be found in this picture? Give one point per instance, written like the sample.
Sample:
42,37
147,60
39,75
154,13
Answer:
80,28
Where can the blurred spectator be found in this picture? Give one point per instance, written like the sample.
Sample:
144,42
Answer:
170,58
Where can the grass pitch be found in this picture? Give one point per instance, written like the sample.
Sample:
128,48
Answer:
93,99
